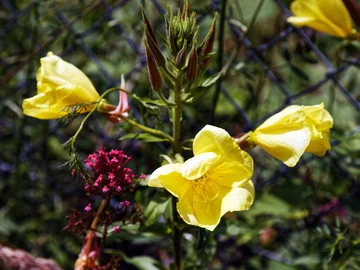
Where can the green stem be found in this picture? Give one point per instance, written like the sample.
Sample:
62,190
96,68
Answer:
177,113
220,58
155,132
152,131
163,99
73,138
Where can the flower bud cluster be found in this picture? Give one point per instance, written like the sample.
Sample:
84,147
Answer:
186,59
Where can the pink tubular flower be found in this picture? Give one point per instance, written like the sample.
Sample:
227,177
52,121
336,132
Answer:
108,177
123,106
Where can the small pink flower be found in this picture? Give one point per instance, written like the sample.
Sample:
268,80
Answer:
142,176
125,203
111,176
88,208
105,189
116,229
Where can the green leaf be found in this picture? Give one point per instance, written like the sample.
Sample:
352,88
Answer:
159,205
145,137
144,263
7,226
141,262
149,103
211,80
307,260
197,93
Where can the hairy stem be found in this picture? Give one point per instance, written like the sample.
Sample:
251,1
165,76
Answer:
177,113
104,203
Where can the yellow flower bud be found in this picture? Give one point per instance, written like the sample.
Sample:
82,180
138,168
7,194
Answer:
327,16
59,84
293,131
215,181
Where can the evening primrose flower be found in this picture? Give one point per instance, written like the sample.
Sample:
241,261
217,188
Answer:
215,181
327,16
293,131
59,84
320,122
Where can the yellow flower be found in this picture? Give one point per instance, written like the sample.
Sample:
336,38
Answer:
327,16
320,122
293,131
215,181
59,84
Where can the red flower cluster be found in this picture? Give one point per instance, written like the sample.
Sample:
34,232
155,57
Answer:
109,177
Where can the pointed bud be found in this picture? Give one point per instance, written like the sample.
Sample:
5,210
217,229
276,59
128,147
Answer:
154,48
192,68
147,25
185,12
154,74
354,10
207,45
181,56
172,39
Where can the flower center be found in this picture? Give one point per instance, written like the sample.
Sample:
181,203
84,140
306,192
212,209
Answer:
205,191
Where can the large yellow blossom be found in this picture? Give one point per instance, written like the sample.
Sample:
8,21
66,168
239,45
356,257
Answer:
327,16
215,181
59,84
293,131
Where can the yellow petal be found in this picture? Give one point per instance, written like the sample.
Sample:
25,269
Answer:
185,207
300,21
154,180
320,117
176,184
208,214
55,72
326,16
287,146
319,146
238,199
214,139
290,118
52,104
231,174
197,166
38,106
337,12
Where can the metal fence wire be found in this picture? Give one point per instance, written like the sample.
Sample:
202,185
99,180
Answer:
89,32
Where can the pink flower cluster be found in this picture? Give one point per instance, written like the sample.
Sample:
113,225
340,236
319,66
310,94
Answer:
108,177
